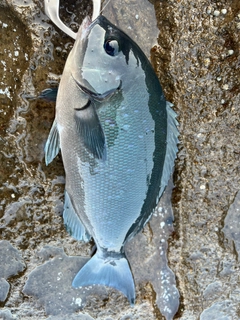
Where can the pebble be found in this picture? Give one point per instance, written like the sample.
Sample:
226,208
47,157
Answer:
216,13
209,10
11,262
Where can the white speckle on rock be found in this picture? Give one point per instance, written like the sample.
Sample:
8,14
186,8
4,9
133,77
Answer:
209,10
207,62
202,187
224,11
137,16
230,52
225,87
16,53
162,224
216,13
6,92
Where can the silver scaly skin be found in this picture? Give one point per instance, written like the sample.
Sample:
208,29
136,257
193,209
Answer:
118,140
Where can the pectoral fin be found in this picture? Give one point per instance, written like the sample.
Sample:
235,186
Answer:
90,129
49,94
52,146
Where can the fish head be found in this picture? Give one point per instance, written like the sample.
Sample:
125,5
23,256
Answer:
103,57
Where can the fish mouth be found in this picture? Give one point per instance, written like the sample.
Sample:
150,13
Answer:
86,26
95,95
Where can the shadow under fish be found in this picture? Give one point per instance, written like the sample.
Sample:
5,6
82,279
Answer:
118,139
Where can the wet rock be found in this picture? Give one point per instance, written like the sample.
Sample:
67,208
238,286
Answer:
4,289
218,311
11,262
200,77
6,314
212,291
151,248
51,282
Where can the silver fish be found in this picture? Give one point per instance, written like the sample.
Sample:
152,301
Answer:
118,140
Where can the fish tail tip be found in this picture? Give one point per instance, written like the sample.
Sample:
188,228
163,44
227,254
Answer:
108,271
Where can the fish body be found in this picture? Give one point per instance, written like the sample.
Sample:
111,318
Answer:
118,140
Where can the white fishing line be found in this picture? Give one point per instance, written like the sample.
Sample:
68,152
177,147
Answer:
104,6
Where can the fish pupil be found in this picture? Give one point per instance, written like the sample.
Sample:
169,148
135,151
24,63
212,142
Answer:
111,47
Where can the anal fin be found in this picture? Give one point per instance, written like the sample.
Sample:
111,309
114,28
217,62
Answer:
72,222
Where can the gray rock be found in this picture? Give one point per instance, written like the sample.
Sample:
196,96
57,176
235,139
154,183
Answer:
51,283
4,289
11,262
232,223
6,314
218,311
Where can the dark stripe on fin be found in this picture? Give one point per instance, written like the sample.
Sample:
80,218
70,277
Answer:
90,129
108,271
72,222
52,145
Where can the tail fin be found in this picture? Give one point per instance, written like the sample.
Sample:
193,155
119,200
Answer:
109,271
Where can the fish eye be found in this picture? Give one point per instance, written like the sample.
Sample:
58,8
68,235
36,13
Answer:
111,47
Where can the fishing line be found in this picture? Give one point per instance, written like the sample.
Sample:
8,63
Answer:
105,6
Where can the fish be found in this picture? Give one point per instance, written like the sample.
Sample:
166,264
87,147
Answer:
118,138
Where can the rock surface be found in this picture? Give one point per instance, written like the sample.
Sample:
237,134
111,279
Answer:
4,289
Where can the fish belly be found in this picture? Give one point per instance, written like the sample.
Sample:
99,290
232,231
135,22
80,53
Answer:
115,189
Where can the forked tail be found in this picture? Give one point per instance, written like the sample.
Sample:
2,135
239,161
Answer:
108,270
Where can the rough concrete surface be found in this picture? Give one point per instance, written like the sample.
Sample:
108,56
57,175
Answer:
196,58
